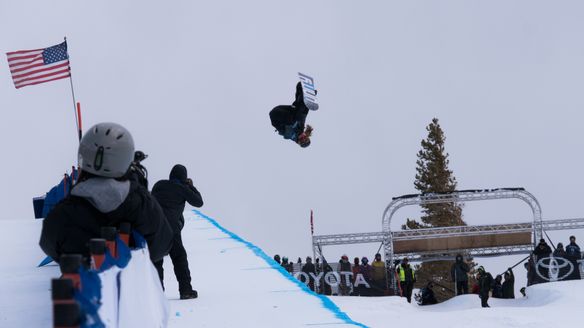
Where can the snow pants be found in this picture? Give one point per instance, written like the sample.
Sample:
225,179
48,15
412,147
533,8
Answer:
484,298
461,287
178,255
407,288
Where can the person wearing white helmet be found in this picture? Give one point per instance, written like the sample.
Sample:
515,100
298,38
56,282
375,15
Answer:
104,196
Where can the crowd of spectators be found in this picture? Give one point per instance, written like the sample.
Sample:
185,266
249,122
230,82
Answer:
361,278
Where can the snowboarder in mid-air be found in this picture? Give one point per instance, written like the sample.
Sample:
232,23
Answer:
289,120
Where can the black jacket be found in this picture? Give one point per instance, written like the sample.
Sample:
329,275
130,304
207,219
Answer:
172,195
573,252
290,121
459,271
485,283
77,219
509,286
543,251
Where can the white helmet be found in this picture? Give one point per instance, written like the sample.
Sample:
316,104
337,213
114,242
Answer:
106,150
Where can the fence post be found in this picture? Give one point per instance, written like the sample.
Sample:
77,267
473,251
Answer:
65,309
70,265
124,232
97,250
109,234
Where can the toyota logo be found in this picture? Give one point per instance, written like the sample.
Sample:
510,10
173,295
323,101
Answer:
553,265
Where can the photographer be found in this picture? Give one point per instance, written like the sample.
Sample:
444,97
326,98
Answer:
138,172
172,195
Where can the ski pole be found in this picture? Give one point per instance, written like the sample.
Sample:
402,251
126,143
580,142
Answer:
548,237
516,264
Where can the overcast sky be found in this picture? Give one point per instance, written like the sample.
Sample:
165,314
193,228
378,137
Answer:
194,82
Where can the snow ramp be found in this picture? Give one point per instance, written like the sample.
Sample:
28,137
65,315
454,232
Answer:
240,286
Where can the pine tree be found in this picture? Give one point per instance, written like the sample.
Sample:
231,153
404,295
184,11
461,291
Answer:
434,176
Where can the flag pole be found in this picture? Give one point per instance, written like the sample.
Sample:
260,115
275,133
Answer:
75,109
312,235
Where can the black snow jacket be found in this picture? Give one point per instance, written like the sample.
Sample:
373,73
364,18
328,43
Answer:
542,250
497,289
509,286
459,271
485,283
100,202
290,121
172,195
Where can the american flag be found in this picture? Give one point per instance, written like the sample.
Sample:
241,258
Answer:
29,67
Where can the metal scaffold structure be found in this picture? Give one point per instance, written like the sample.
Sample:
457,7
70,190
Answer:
445,242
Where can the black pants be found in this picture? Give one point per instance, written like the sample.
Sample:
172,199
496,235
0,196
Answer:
407,288
484,298
461,287
178,255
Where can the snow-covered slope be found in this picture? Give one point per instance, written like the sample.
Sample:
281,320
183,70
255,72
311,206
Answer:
546,305
240,286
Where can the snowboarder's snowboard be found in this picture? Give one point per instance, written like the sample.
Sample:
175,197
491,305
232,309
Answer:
309,91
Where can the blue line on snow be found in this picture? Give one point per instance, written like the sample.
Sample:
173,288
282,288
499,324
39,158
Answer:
326,302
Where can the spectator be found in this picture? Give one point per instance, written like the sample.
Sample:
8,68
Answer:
559,251
309,268
407,278
378,276
356,270
365,272
104,196
172,194
485,282
317,265
459,274
277,259
542,250
345,284
299,262
573,255
325,288
138,172
475,289
497,287
286,265
427,295
509,284
530,267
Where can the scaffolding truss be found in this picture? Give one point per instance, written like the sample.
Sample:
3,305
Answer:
461,196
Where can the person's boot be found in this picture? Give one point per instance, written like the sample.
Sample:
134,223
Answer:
189,295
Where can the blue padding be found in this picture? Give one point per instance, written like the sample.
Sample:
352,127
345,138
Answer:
89,299
326,302
46,261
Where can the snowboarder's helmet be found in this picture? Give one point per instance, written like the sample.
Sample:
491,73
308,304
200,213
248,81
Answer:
481,269
106,150
365,260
